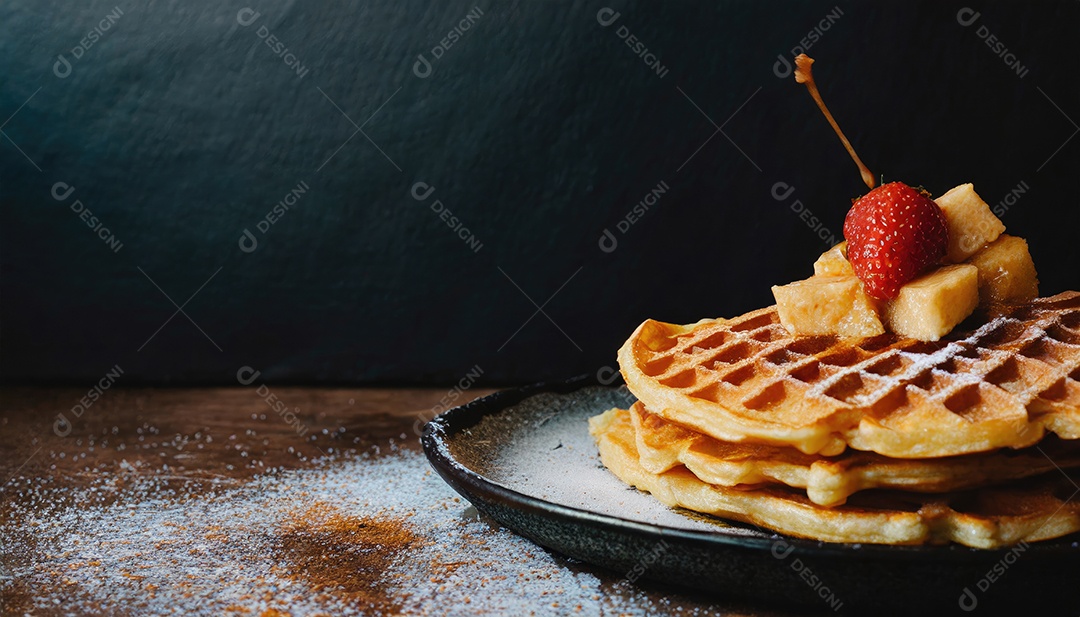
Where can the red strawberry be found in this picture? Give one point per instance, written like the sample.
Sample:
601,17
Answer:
894,233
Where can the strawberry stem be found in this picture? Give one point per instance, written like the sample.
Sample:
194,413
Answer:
803,75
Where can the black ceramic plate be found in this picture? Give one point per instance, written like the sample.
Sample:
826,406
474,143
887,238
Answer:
525,458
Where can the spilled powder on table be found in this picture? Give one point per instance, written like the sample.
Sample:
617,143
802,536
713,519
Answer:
356,535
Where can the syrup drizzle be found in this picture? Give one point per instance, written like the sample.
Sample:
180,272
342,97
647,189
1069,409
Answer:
803,75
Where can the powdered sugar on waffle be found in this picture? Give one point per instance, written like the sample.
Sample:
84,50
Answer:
746,378
921,363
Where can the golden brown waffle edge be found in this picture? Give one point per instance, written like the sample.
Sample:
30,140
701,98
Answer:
984,518
663,445
1002,384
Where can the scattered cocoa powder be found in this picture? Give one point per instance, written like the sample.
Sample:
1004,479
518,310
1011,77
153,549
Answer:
353,535
343,554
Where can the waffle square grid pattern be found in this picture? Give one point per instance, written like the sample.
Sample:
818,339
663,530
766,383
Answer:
746,379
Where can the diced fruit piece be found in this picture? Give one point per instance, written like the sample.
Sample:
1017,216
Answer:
1006,272
971,223
834,262
930,306
894,234
827,305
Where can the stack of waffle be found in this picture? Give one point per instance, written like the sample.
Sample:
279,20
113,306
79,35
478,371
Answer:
971,439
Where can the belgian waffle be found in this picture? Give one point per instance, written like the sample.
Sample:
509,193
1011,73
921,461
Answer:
1003,384
662,445
1037,509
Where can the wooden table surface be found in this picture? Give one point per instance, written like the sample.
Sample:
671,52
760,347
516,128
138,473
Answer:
161,500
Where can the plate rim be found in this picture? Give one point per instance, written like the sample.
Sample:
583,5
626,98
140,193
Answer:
438,432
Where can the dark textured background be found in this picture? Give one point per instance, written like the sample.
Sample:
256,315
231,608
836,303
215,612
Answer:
539,128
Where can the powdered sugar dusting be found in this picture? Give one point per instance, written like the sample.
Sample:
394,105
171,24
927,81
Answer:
133,542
